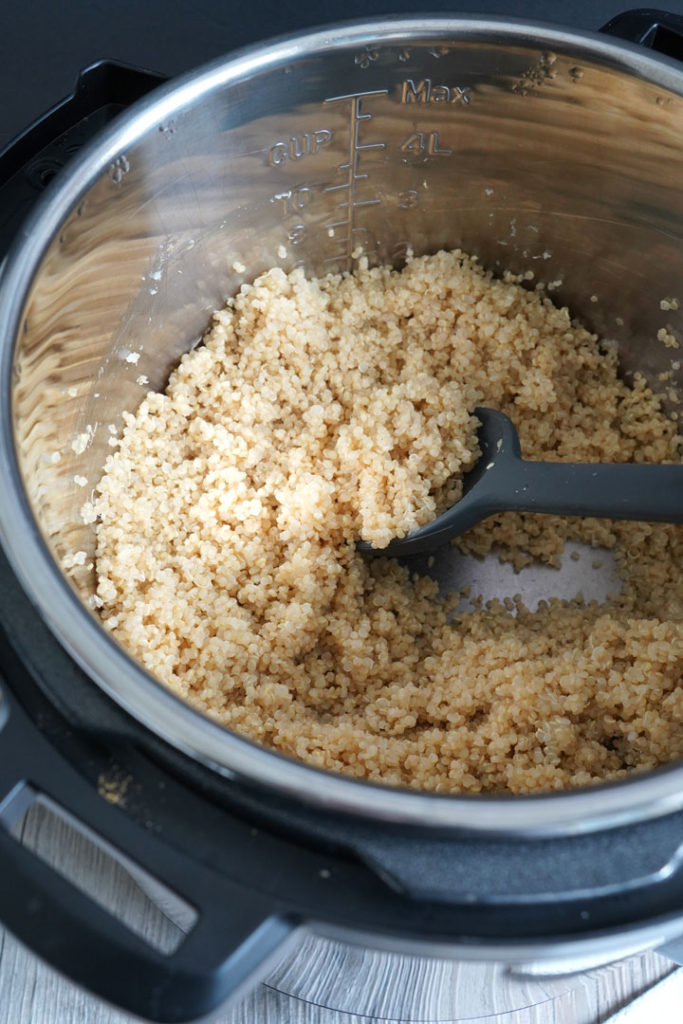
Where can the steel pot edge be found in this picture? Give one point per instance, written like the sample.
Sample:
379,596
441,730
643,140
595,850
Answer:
145,699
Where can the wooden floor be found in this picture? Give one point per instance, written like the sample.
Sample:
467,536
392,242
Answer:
325,982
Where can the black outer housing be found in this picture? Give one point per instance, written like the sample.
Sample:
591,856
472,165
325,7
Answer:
231,850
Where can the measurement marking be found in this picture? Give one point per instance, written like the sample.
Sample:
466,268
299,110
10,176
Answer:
357,96
351,164
359,202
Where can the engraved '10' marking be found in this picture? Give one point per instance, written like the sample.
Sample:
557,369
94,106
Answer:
294,199
425,92
299,146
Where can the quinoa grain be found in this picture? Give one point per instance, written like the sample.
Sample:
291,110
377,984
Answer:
319,412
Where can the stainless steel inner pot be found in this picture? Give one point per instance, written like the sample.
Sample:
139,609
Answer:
537,149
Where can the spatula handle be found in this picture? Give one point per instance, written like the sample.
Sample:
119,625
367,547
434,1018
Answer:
651,493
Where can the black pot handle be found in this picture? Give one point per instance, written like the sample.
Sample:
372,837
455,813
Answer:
657,30
30,162
238,930
236,935
106,87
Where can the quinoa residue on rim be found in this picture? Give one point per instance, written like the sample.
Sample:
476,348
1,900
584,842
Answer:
318,412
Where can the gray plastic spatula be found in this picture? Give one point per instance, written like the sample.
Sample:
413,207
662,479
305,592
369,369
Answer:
502,481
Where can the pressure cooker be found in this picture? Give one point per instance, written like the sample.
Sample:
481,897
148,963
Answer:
530,146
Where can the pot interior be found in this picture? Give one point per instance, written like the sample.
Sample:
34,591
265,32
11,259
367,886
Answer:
542,153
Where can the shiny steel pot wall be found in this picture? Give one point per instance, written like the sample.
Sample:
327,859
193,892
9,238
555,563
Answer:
538,150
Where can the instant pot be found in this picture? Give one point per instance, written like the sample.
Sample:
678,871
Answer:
537,148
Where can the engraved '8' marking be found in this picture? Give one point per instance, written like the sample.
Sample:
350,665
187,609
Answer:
408,200
297,235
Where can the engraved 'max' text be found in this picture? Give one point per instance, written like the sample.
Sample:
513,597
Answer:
425,91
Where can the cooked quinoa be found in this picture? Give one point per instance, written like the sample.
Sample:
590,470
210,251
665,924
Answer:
318,412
